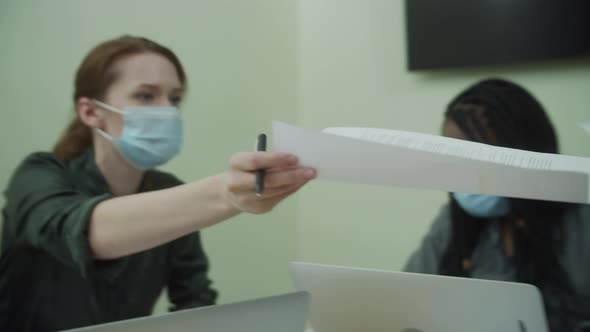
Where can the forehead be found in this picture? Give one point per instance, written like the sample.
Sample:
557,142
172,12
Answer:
452,130
147,68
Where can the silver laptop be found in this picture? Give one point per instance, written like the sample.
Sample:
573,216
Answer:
281,313
345,299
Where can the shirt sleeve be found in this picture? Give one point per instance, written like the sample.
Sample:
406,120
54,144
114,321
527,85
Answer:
575,253
189,285
426,259
45,212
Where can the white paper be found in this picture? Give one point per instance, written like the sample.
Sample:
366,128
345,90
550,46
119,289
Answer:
586,127
413,160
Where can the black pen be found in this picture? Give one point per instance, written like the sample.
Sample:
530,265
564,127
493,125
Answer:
260,146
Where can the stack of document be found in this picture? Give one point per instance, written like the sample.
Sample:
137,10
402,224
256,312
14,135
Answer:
414,160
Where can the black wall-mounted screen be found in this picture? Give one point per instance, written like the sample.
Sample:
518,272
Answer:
462,33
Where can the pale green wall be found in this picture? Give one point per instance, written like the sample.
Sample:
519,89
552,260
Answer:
315,63
241,65
353,73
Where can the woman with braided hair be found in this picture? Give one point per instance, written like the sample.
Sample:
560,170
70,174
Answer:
543,243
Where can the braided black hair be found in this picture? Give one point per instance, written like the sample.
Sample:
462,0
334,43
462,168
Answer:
499,112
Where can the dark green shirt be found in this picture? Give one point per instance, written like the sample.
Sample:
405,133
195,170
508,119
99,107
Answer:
48,278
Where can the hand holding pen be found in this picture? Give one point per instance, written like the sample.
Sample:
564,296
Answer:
259,180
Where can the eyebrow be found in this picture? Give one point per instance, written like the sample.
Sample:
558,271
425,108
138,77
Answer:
157,87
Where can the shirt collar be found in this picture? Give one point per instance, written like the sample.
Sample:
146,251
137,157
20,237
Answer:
87,175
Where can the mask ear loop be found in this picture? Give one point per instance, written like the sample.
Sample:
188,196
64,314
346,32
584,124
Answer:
108,108
104,134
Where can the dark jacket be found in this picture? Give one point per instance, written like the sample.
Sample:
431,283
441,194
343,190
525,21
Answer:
565,312
49,279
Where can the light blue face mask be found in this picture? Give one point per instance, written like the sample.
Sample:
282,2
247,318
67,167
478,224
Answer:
151,135
483,206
